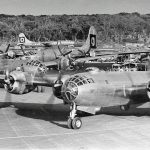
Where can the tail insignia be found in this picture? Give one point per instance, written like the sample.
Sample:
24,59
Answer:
22,39
92,41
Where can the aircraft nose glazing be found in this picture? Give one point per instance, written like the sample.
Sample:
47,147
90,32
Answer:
70,91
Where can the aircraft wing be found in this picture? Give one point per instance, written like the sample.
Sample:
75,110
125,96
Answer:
123,53
134,52
47,44
47,80
89,58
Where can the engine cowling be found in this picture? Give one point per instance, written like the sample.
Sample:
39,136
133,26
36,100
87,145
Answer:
57,88
18,82
63,63
67,90
11,54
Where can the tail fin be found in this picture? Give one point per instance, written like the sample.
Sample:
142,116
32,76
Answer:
23,40
91,40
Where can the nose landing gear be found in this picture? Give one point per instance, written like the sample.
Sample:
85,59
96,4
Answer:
73,121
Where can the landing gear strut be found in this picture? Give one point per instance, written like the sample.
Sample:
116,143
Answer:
73,121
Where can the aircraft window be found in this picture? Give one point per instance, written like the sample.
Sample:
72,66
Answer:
42,68
31,62
36,63
84,81
29,53
71,85
80,80
90,80
27,63
79,83
76,80
70,96
41,65
76,76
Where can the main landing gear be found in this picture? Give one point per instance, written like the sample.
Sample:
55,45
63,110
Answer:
73,121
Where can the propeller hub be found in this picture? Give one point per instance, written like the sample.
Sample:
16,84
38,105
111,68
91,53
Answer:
9,81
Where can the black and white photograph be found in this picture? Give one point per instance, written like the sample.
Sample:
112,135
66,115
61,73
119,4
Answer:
74,74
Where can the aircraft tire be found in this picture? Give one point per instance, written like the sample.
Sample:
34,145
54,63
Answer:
124,107
69,123
76,123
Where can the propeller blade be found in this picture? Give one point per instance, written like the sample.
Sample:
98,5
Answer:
60,50
7,48
22,50
59,75
67,53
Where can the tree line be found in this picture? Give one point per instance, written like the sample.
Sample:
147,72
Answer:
115,28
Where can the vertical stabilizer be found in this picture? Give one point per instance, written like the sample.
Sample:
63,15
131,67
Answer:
90,42
23,40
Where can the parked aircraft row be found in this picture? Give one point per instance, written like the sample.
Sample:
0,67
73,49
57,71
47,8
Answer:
82,91
53,57
24,41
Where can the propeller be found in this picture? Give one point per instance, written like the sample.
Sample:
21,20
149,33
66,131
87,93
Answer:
7,53
7,48
72,62
22,50
61,51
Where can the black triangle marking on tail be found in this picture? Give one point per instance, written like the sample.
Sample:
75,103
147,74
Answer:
92,41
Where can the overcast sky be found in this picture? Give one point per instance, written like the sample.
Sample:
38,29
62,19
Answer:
49,7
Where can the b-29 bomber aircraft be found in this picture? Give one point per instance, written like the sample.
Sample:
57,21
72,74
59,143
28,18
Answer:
22,40
82,91
52,54
54,57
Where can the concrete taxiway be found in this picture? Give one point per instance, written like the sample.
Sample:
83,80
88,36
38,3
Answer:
47,129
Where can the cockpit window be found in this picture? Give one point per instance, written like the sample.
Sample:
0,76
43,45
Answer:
81,80
79,83
41,67
90,80
30,53
34,63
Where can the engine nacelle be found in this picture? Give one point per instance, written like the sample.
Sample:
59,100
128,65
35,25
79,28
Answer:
57,89
11,54
58,86
63,63
19,88
19,83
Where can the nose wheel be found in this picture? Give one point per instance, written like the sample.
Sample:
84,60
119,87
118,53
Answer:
73,121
